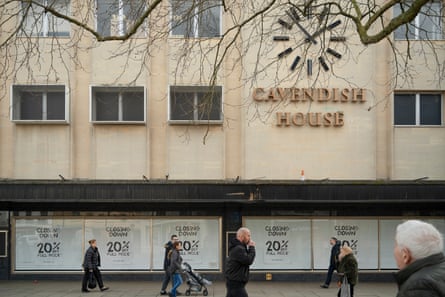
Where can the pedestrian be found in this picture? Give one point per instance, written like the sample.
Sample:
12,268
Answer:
167,247
333,260
348,267
418,252
241,256
91,264
175,268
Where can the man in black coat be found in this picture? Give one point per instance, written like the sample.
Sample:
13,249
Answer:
168,247
333,261
241,256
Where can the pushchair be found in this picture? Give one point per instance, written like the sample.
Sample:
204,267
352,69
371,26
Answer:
195,281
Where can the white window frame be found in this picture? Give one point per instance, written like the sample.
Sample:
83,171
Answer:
195,24
118,21
195,120
417,107
435,35
120,106
46,23
15,107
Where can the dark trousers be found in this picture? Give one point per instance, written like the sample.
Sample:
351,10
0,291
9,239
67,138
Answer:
329,276
165,281
236,289
86,276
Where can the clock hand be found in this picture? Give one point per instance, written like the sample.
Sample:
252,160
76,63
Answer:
329,27
292,13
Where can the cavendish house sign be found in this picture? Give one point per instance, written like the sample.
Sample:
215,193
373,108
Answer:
310,95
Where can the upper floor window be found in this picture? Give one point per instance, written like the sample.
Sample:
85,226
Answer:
118,104
417,109
428,24
40,22
196,104
196,18
116,17
39,103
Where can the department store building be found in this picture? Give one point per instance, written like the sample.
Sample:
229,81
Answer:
296,145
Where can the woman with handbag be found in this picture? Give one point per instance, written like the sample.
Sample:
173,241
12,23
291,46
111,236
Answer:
348,270
91,265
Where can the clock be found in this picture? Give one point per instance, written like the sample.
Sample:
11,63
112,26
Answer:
318,37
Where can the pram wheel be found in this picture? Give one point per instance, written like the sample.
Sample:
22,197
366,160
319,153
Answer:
205,292
187,293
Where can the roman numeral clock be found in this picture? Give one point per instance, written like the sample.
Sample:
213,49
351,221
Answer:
314,40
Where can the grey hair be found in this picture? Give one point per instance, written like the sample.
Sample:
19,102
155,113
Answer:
241,231
420,238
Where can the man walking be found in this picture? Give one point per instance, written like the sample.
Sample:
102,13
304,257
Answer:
333,261
241,256
168,247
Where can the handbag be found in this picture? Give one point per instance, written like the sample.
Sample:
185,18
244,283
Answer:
92,281
344,289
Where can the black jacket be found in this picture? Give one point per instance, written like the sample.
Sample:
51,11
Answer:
168,247
239,260
423,278
92,258
175,262
334,254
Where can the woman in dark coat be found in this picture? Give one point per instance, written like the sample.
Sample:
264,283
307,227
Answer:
91,264
348,267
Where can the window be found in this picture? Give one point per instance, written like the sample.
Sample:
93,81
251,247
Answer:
116,104
115,17
197,18
39,103
426,26
38,22
417,109
196,104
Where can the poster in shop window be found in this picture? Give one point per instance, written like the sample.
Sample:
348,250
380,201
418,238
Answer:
48,244
281,243
123,244
200,241
360,235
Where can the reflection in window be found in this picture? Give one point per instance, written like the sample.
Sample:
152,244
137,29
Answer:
39,22
417,109
196,18
116,17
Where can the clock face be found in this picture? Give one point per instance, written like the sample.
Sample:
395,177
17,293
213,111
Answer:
312,35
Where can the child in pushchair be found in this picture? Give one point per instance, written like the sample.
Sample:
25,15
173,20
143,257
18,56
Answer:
195,281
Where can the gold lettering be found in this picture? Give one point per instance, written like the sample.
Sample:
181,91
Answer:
327,119
336,92
317,122
256,96
298,119
358,94
295,97
324,95
283,118
339,121
309,94
345,95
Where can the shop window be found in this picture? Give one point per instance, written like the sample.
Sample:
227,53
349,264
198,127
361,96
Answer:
195,104
116,104
428,24
39,22
196,19
116,17
417,109
39,103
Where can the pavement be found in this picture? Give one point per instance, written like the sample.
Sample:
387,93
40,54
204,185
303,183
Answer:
131,288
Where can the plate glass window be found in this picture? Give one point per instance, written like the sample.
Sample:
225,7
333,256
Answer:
38,103
197,18
428,24
38,22
116,17
115,104
196,104
417,109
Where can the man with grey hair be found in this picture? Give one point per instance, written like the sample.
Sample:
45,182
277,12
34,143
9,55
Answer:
241,256
418,252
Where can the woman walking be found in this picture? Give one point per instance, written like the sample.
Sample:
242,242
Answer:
348,267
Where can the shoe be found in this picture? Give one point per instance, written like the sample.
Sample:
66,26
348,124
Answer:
163,292
324,286
85,291
104,288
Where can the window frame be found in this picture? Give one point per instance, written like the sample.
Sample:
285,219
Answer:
416,24
195,24
45,23
44,89
417,109
106,88
121,18
195,120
